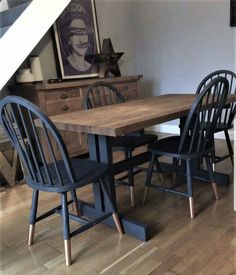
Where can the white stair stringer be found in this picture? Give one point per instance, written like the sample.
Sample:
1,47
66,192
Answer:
17,43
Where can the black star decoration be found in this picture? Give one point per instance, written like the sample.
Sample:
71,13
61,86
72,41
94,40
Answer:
107,59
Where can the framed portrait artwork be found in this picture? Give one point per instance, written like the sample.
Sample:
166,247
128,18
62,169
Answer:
76,36
233,13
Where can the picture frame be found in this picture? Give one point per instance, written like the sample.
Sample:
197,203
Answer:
233,13
76,36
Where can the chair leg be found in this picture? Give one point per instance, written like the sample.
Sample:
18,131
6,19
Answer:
75,204
130,179
190,188
214,167
117,223
131,191
215,189
175,166
229,145
191,207
110,205
66,228
212,179
213,156
158,167
67,246
148,177
33,214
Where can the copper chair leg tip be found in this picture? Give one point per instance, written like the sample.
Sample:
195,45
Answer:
118,223
132,196
215,189
68,263
31,234
67,246
191,206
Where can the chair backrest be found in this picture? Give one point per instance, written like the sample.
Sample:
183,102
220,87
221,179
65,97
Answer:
101,94
26,126
229,111
197,135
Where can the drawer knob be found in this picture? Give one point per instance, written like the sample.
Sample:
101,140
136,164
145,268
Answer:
65,108
64,96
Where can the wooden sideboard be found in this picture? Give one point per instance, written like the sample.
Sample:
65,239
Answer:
68,96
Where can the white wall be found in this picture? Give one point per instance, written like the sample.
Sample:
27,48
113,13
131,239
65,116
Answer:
116,21
234,32
179,42
46,54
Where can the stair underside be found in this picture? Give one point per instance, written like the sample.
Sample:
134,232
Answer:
8,17
14,3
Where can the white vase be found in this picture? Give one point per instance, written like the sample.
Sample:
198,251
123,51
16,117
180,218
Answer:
36,68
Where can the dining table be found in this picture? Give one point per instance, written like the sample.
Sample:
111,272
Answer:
103,124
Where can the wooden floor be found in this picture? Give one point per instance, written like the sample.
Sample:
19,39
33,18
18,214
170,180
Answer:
205,245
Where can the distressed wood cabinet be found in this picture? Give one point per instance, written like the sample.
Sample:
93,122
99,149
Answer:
64,97
10,168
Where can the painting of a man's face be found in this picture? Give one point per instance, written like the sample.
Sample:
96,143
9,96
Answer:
79,38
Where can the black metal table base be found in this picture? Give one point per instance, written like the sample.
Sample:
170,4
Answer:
137,229
100,150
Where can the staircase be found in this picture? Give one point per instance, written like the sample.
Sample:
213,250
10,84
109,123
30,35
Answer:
23,23
9,16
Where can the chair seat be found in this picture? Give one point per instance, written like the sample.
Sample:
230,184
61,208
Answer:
129,143
169,147
85,171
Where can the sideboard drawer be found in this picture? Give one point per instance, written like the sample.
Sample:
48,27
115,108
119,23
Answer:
63,106
62,94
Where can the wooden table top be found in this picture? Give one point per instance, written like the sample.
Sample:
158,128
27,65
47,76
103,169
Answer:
119,119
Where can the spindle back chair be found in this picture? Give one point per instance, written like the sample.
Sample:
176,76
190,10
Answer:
225,121
195,141
102,94
26,125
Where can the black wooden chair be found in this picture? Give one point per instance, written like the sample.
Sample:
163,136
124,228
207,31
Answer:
225,122
24,123
195,142
102,94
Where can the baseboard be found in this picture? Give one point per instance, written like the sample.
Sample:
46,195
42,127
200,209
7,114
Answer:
174,129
